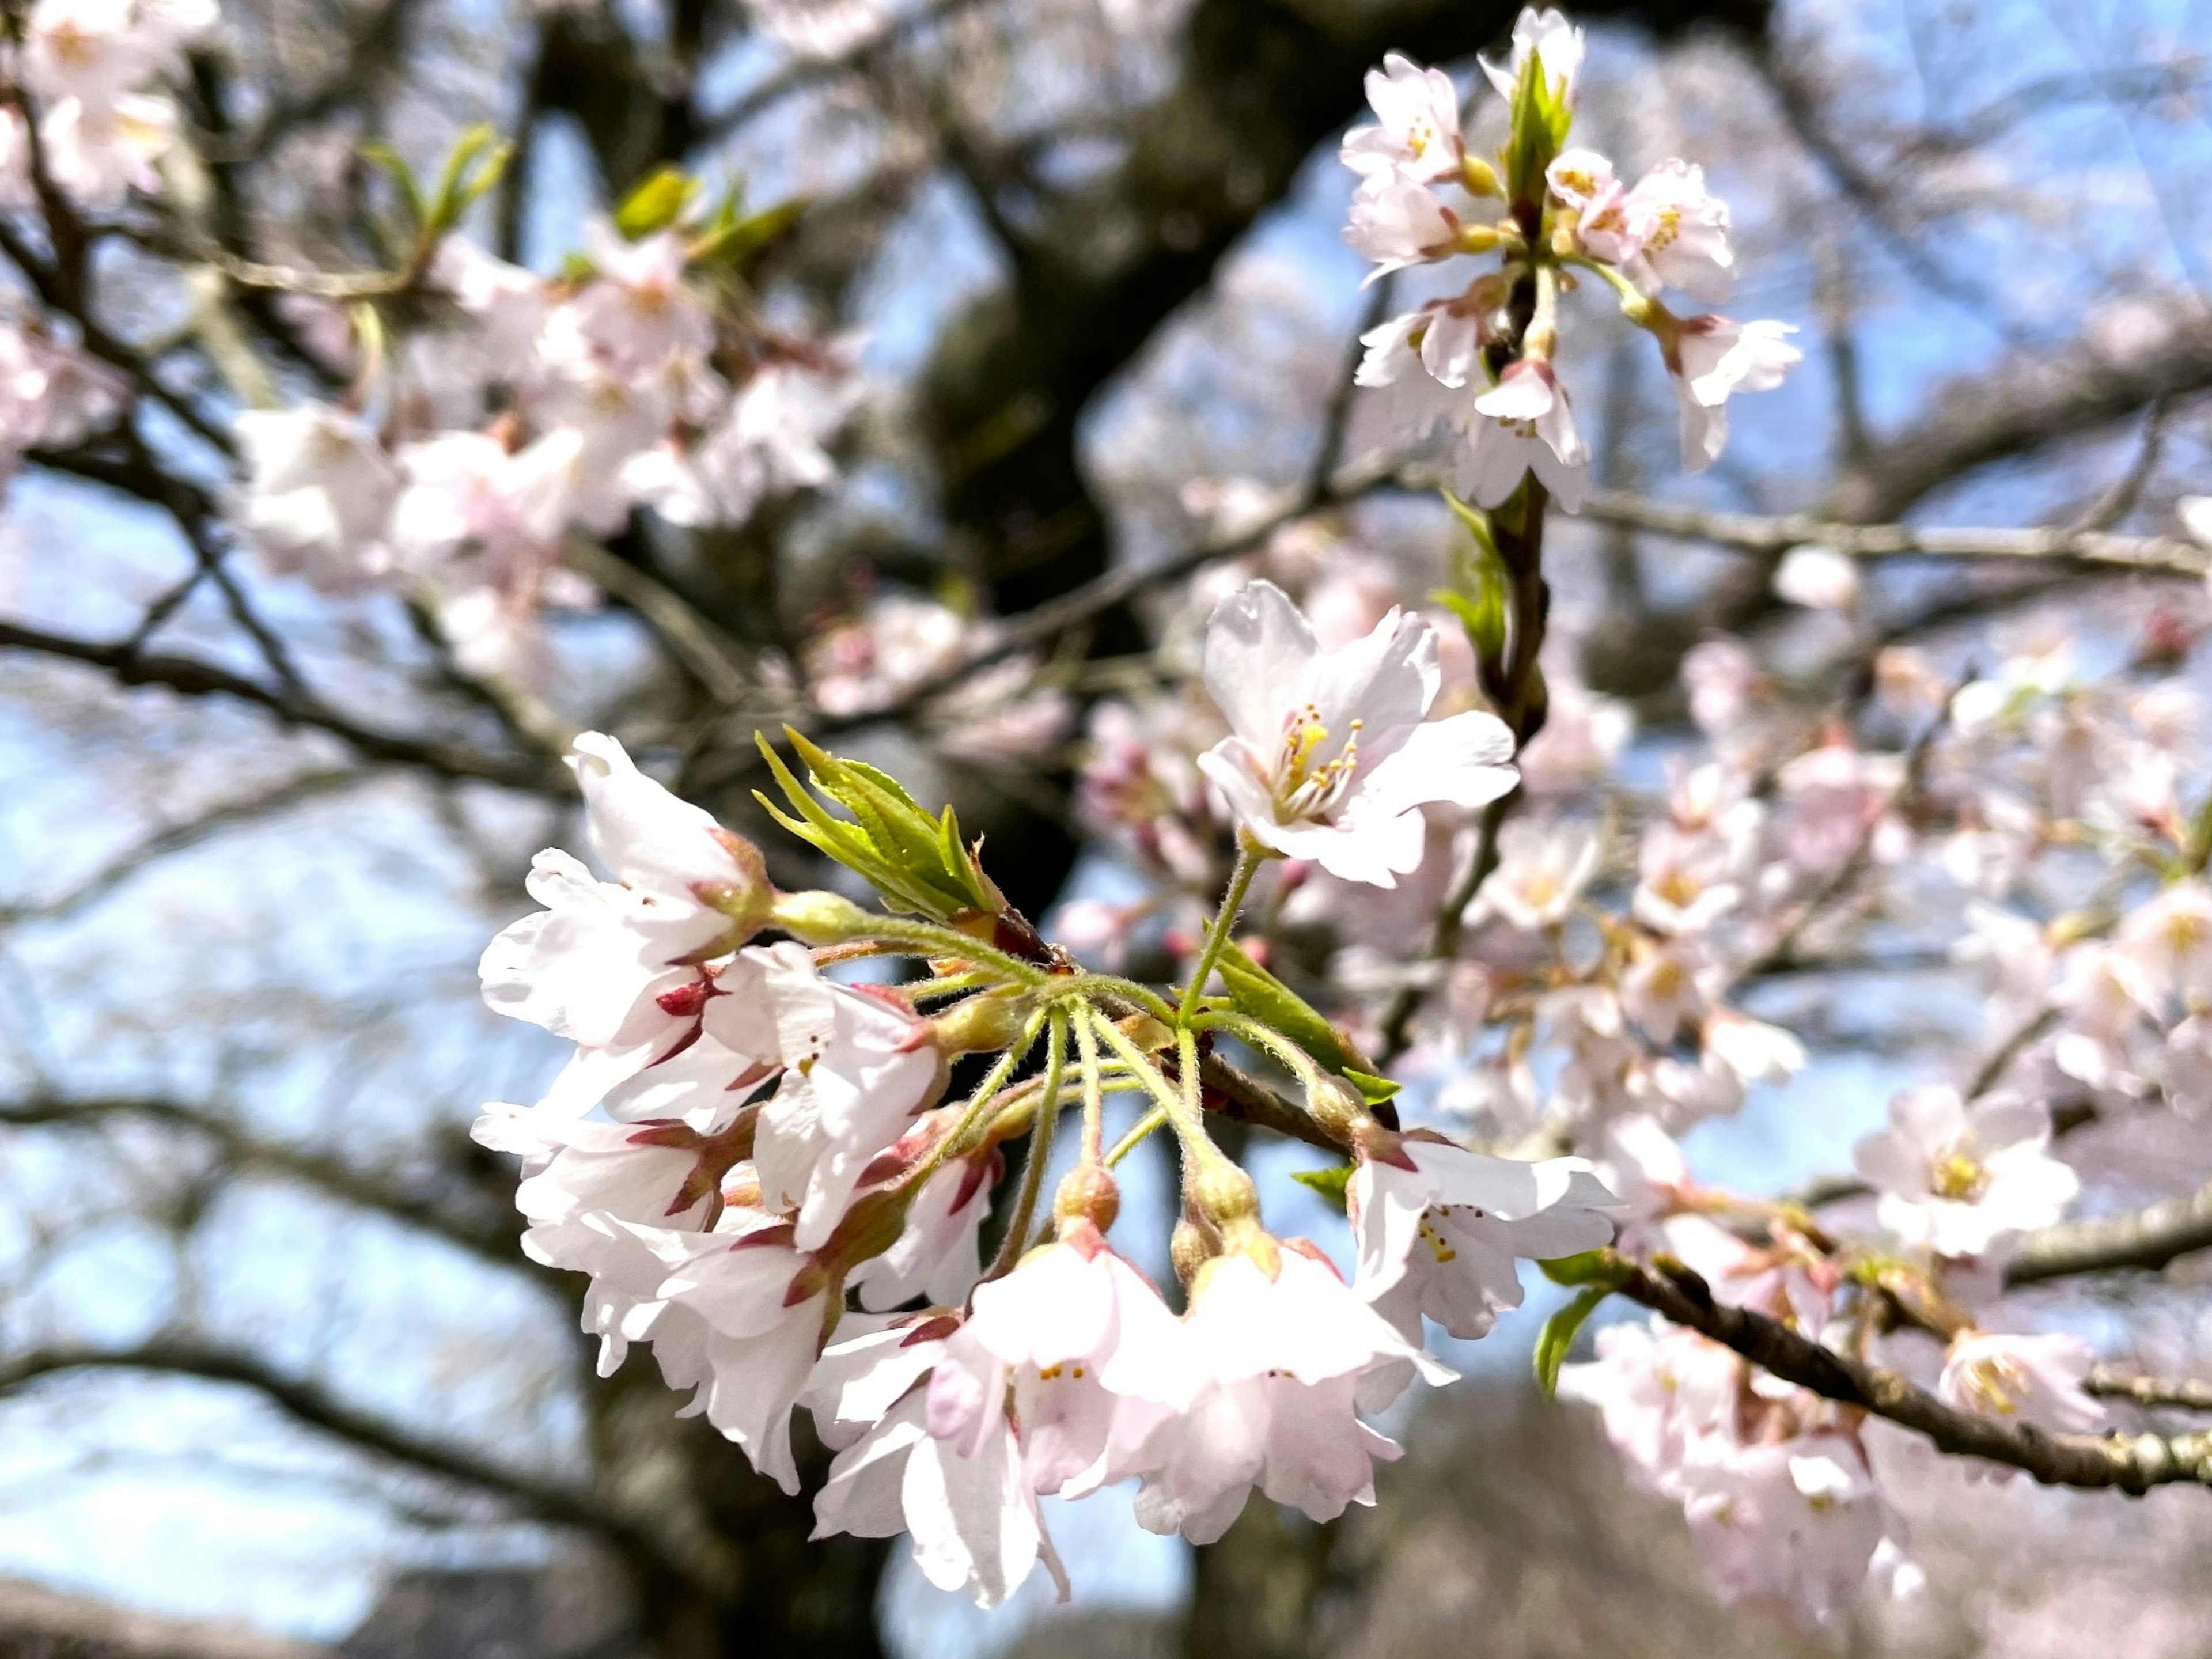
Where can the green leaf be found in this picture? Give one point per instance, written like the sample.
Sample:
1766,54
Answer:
389,162
1558,1335
738,240
473,167
656,204
1257,993
1599,1266
1329,1183
916,861
1374,1089
1480,585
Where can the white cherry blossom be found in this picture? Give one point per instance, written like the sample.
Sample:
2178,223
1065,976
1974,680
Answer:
1547,37
1078,1346
2030,1379
857,1072
1397,223
1677,233
1711,359
1439,1230
317,493
1525,425
1542,869
1418,133
1329,758
1283,1365
1957,1178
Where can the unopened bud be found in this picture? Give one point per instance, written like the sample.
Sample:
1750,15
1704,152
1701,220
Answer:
1223,1193
820,918
1340,1110
981,1024
1190,1248
1087,1192
1480,178
1477,239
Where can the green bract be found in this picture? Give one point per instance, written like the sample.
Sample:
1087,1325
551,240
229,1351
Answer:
917,862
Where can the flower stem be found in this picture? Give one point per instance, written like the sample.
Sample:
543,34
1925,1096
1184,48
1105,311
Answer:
1094,1092
934,940
979,1103
1129,1142
1040,1152
1217,937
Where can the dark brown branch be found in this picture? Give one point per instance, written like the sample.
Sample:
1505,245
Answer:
2147,1238
192,678
493,1239
309,1403
2130,1463
176,838
2186,1394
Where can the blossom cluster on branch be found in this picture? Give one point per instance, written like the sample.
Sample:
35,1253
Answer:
1405,896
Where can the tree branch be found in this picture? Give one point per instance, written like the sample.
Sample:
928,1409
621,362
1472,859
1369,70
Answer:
2147,1238
1748,533
192,677
2131,1463
492,1240
2185,1393
315,1406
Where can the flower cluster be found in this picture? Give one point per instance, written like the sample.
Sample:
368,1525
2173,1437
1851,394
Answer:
537,410
755,1164
1480,363
93,71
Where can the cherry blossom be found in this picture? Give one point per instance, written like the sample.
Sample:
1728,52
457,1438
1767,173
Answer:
1713,358
972,1513
1541,871
1078,1346
857,1070
1547,38
1819,578
1439,1229
1526,425
1396,222
1329,758
1957,1178
319,489
1417,134
2036,1379
1283,1364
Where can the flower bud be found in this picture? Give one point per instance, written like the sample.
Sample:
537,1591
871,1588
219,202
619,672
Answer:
820,918
1087,1192
1480,178
1190,1248
981,1024
1223,1193
1340,1110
